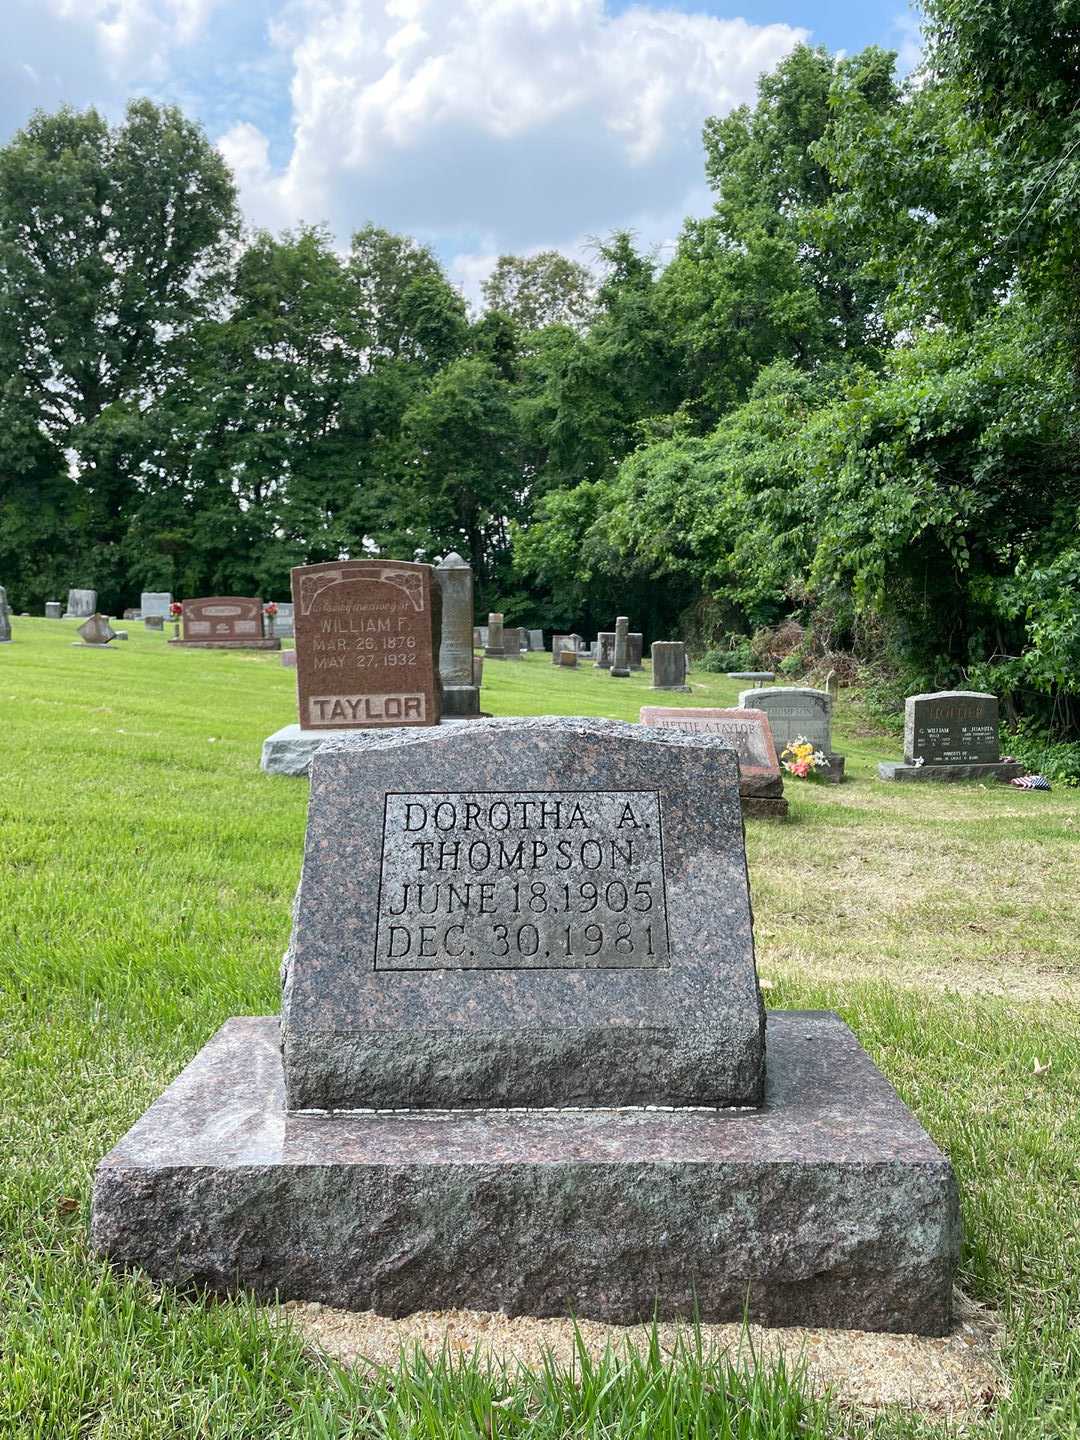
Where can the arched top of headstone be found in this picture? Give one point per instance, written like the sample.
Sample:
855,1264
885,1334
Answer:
453,561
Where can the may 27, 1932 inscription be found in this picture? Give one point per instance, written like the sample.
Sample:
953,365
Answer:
522,880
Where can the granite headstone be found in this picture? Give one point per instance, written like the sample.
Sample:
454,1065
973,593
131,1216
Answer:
53,610
951,735
493,648
669,665
5,618
568,659
620,656
761,780
367,637
224,622
460,694
796,711
156,602
513,636
81,604
96,632
605,640
536,639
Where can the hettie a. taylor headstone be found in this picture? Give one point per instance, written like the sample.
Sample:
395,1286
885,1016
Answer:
761,781
951,735
367,636
521,1065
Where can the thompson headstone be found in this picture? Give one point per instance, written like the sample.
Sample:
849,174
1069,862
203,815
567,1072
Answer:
156,603
460,695
951,735
81,604
761,780
669,665
521,1018
620,657
796,711
224,622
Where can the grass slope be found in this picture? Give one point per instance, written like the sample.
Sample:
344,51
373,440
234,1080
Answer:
148,869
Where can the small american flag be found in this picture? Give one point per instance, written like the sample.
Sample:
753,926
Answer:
1031,782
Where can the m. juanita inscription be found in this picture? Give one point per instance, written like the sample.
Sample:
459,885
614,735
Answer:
495,881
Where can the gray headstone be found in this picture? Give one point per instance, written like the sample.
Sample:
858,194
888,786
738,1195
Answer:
762,676
5,618
605,641
512,638
81,604
479,636
458,943
460,694
568,657
669,665
97,631
536,639
560,643
493,647
794,711
635,644
154,622
155,602
951,727
620,658
285,619
53,610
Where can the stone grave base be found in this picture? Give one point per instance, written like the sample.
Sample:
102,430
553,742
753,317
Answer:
681,689
264,644
763,807
829,1206
84,645
461,702
289,750
998,770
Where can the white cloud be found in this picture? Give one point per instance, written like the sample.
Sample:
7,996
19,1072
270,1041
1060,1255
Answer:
490,125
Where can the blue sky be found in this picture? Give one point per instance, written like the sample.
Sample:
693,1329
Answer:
480,126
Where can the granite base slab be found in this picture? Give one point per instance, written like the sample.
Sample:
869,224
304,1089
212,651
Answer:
763,807
289,751
1004,770
828,1206
267,644
680,689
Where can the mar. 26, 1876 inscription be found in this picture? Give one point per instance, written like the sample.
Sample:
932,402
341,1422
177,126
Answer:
522,880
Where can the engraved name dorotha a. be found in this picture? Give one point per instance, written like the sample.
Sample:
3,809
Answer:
489,880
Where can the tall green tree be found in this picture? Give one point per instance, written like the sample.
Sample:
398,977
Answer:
115,243
538,290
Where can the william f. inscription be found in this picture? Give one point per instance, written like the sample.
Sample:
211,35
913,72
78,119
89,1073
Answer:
522,880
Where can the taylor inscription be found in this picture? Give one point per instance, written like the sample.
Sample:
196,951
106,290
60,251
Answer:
499,880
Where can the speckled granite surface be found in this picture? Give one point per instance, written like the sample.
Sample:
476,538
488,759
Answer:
830,1205
593,1007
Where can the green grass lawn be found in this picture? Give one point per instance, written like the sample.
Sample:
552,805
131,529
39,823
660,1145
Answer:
148,870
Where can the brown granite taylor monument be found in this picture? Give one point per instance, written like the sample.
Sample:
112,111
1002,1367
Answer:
367,635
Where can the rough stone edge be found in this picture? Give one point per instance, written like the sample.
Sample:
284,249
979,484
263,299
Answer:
945,774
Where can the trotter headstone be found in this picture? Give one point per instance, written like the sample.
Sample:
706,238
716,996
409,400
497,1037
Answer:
951,735
156,603
669,665
620,658
493,647
455,580
796,711
224,622
367,645
81,604
490,999
761,781
96,633
53,610
605,640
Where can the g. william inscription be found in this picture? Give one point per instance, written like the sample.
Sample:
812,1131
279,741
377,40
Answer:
522,880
